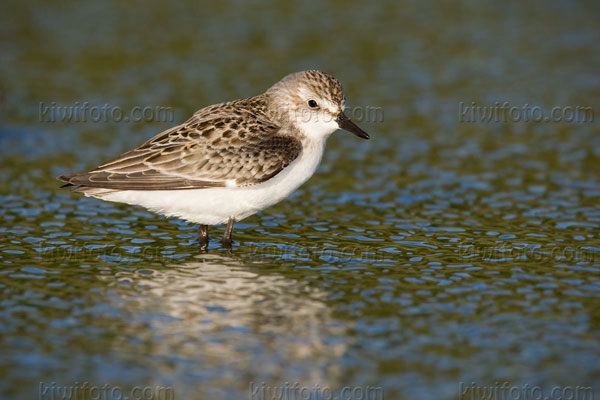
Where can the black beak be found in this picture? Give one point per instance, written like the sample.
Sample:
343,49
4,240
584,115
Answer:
347,125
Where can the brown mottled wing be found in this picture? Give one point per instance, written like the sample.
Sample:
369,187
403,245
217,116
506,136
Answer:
225,150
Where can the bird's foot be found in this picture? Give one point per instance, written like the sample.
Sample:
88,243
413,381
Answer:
226,241
203,237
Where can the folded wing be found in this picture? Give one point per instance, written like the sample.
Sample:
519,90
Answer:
204,152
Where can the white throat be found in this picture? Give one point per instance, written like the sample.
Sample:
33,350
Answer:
318,129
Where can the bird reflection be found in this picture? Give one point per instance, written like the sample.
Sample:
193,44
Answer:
219,312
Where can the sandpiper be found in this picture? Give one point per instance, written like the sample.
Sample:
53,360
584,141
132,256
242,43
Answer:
229,160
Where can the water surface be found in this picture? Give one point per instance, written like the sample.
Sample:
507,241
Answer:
437,253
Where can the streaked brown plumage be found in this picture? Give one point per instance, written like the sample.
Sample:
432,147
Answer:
230,156
217,144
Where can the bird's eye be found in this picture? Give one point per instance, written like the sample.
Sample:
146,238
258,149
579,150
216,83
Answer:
313,104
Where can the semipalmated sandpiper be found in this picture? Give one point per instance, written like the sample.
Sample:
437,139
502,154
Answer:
229,160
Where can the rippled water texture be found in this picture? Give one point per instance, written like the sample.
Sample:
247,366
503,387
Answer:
441,251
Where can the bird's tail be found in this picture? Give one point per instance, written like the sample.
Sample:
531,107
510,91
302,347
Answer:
87,190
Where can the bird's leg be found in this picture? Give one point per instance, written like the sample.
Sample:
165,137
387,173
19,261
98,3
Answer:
227,236
203,236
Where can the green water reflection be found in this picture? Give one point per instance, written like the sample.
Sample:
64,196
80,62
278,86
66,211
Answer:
437,253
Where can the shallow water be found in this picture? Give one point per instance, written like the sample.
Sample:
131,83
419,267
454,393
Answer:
438,255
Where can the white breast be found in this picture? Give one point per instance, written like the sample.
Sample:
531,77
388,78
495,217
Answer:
216,205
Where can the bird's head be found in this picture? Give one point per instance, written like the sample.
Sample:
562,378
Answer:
313,102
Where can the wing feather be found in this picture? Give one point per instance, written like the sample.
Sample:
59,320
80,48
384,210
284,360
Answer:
203,152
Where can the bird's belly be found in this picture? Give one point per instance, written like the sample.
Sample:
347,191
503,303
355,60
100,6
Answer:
216,205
